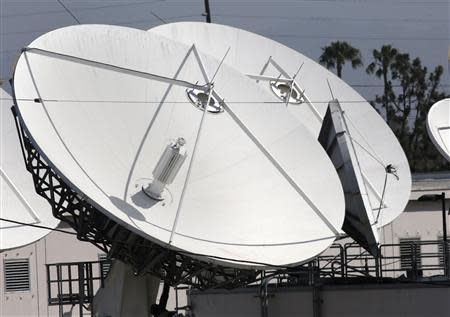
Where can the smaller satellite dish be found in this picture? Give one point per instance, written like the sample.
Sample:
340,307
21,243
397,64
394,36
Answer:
19,201
438,125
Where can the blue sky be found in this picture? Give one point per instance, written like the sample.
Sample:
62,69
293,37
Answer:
418,27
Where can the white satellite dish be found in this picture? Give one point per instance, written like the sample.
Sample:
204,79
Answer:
438,125
285,72
19,201
119,114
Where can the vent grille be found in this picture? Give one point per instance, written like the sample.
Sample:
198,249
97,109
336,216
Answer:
441,251
105,265
410,252
17,275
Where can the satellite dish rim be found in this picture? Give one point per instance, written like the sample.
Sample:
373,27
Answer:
432,128
21,185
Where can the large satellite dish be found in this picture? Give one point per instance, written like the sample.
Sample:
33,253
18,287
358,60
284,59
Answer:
19,201
176,147
438,125
303,86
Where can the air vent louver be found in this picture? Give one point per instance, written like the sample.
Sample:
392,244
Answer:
17,275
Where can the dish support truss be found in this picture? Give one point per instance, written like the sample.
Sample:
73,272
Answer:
174,267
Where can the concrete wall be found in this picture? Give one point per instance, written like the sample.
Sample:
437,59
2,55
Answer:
361,301
394,302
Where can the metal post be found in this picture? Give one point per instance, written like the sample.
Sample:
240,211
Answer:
317,301
176,299
264,297
377,262
60,289
444,236
414,260
316,296
69,272
380,261
207,12
49,284
81,286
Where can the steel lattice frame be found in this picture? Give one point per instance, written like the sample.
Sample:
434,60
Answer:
120,243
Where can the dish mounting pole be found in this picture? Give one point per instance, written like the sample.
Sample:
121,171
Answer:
207,13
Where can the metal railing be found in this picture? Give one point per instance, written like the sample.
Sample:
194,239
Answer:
425,258
75,283
421,261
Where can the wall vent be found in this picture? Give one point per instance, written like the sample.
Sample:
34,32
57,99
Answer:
17,275
410,252
105,266
441,250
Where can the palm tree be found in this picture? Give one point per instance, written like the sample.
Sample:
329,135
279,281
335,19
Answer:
383,62
337,53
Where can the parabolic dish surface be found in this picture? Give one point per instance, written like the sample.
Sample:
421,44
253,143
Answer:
18,199
438,125
375,144
259,179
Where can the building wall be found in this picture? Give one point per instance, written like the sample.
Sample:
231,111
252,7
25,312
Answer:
386,302
367,301
421,219
55,247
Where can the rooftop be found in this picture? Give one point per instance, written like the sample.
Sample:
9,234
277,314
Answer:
430,184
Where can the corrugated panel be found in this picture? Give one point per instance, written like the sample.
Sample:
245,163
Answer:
408,248
17,275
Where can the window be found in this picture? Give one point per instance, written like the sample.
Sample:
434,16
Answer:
17,275
105,264
410,253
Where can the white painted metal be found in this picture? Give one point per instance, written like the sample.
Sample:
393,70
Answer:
167,168
261,188
18,199
338,143
438,125
265,61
